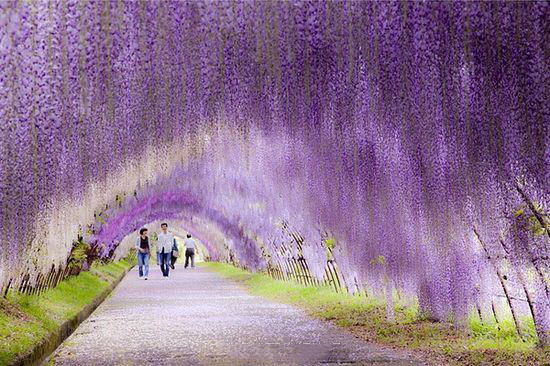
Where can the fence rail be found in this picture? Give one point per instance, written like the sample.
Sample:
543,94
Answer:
296,269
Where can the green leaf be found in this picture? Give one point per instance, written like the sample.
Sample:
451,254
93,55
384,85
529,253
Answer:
380,259
518,212
330,243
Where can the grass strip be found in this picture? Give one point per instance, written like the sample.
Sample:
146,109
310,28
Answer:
27,320
479,345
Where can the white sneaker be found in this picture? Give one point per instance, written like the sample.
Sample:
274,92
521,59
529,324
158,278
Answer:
145,278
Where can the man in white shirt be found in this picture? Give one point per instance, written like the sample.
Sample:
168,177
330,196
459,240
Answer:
189,251
164,248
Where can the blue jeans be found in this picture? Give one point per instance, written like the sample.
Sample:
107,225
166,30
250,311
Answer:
165,263
143,264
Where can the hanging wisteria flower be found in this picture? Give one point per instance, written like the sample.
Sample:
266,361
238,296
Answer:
416,132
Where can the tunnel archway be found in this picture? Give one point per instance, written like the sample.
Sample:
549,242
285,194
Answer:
204,250
409,141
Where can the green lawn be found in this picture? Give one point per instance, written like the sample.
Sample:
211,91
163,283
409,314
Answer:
26,321
365,317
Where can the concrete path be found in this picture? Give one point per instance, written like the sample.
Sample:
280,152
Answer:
198,318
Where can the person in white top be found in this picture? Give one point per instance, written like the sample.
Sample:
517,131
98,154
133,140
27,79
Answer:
164,248
189,251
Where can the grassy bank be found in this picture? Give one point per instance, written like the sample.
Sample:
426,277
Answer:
26,321
440,342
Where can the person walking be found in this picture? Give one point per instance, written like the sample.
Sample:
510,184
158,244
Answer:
164,248
143,253
189,251
174,255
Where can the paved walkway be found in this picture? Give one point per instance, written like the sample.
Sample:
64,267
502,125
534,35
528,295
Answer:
198,318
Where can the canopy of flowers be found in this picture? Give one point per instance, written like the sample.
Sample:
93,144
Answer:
412,136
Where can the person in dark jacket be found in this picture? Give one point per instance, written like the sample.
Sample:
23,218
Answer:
175,254
143,253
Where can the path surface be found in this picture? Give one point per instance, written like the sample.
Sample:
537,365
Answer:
198,318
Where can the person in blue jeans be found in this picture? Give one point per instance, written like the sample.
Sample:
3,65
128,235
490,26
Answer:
143,253
164,248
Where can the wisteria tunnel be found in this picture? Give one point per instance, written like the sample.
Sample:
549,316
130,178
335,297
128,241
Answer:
378,147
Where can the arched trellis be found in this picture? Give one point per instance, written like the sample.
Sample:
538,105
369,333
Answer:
414,132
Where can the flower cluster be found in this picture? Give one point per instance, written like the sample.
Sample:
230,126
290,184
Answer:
416,132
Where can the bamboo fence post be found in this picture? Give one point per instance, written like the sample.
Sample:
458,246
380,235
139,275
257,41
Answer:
297,274
495,313
336,284
7,288
300,270
502,283
523,283
336,274
313,278
281,272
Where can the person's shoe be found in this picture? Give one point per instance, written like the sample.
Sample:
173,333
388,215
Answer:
145,278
